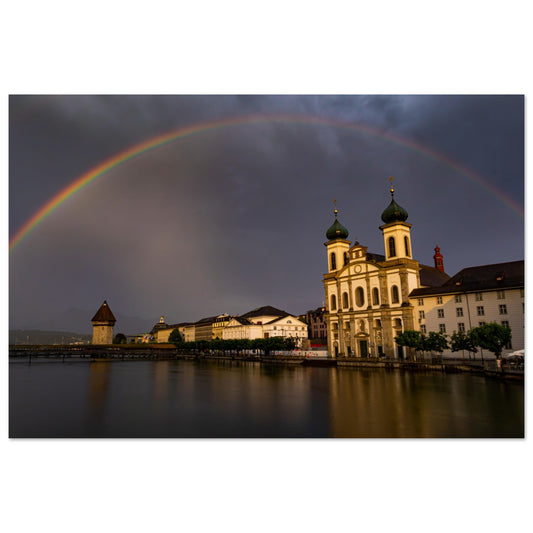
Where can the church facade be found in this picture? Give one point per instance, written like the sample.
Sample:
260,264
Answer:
367,295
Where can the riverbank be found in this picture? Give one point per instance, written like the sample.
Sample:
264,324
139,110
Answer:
169,352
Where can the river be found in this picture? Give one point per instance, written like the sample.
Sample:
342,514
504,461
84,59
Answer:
249,399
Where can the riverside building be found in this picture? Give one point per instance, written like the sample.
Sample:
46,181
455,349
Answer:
371,298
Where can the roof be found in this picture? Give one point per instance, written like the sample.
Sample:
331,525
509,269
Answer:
207,320
267,310
480,278
374,257
432,277
104,314
242,321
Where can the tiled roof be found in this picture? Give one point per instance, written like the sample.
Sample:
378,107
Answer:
104,314
480,278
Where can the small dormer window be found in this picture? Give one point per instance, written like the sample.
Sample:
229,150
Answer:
459,282
500,276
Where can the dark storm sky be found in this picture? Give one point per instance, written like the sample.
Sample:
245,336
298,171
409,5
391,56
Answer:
233,219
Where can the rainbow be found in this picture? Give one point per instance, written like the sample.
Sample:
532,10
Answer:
203,127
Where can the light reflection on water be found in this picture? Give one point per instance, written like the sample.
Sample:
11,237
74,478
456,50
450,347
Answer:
245,399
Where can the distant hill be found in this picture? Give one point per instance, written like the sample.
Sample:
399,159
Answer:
35,336
80,320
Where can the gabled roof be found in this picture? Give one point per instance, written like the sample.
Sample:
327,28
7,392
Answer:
241,320
283,317
480,278
104,314
267,310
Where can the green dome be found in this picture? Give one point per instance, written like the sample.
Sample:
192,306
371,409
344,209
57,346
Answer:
394,212
336,230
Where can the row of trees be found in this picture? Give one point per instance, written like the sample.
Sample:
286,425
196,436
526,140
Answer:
266,346
492,337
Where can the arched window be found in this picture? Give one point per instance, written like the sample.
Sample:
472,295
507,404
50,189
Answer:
395,295
346,258
345,300
392,247
333,261
407,249
333,302
375,296
359,297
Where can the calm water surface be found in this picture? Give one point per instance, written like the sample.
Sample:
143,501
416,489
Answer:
239,399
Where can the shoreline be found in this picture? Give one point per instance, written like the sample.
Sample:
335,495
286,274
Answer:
123,353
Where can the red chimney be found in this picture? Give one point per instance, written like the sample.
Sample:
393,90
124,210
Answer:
439,264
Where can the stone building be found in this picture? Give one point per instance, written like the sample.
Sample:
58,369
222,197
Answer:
367,294
103,322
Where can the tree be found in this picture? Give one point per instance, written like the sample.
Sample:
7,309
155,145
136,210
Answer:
491,337
412,339
462,341
175,337
434,342
120,338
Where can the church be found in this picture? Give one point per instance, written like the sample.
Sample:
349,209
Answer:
367,294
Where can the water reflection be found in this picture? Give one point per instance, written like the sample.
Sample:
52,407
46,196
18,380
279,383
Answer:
395,404
247,399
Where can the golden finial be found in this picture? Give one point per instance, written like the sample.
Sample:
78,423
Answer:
335,204
391,186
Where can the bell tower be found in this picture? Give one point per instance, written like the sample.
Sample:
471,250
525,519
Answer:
337,246
396,232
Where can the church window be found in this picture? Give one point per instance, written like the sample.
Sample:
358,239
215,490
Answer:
505,323
439,299
333,261
501,295
482,323
421,301
458,299
461,326
442,328
407,249
375,296
479,297
359,297
392,247
345,300
423,328
503,309
395,295
333,302
346,258
421,314
440,313
480,310
459,311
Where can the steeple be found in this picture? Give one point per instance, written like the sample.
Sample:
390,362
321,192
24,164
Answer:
439,259
393,212
396,231
336,230
337,245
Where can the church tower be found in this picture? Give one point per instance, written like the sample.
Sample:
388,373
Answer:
439,259
103,322
396,232
337,246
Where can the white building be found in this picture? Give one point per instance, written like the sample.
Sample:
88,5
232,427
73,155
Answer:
473,297
266,322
